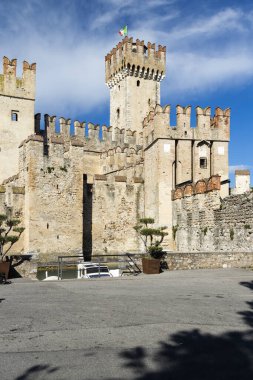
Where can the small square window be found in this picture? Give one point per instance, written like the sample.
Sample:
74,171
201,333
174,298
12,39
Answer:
203,162
14,116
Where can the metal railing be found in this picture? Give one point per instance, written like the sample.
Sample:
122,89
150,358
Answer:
127,262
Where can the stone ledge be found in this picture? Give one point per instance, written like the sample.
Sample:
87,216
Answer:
57,140
18,190
138,180
120,178
100,177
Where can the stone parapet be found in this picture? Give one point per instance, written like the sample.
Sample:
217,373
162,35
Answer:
10,84
157,124
81,134
135,59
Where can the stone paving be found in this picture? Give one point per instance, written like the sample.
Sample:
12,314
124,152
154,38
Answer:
178,325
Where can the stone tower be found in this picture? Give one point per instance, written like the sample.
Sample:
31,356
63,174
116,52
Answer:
133,73
17,96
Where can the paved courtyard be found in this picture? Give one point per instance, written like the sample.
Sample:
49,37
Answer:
178,325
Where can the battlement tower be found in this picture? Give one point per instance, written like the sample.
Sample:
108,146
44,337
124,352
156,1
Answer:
17,97
133,73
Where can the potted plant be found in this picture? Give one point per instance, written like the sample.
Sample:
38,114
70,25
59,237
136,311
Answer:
7,240
152,239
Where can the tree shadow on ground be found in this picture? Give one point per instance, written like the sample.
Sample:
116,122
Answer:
248,314
196,355
40,371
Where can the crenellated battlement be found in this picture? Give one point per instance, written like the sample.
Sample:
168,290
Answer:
200,187
88,135
12,85
131,58
157,124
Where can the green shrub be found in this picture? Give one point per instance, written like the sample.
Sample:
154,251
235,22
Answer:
151,237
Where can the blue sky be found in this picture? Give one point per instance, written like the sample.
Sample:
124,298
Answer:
209,55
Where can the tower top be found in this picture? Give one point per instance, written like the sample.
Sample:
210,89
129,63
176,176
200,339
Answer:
135,58
11,85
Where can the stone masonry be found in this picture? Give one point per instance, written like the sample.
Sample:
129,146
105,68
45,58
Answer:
83,192
206,223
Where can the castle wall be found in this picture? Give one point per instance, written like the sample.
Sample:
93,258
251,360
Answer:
53,204
117,206
199,152
100,180
51,168
205,222
133,73
209,260
242,182
129,103
158,163
12,203
184,161
17,96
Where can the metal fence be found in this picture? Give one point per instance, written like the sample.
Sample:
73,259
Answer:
127,262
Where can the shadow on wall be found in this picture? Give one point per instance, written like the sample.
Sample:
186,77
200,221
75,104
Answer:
197,356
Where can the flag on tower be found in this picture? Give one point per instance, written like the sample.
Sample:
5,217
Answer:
123,31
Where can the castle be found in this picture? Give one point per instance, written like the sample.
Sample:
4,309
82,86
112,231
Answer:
84,192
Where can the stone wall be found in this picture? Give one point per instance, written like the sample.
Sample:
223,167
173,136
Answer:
117,206
208,141
17,96
202,221
12,203
206,260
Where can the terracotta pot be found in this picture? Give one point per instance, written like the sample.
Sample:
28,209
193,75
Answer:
4,268
150,266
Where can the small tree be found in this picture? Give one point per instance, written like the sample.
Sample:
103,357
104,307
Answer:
151,237
7,238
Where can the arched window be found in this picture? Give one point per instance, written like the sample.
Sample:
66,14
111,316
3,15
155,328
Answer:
118,113
14,116
138,83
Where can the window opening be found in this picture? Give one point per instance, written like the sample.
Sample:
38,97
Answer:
118,113
14,116
138,83
203,162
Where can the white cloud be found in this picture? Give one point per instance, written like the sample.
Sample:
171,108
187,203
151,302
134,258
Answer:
223,21
200,72
233,168
204,54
